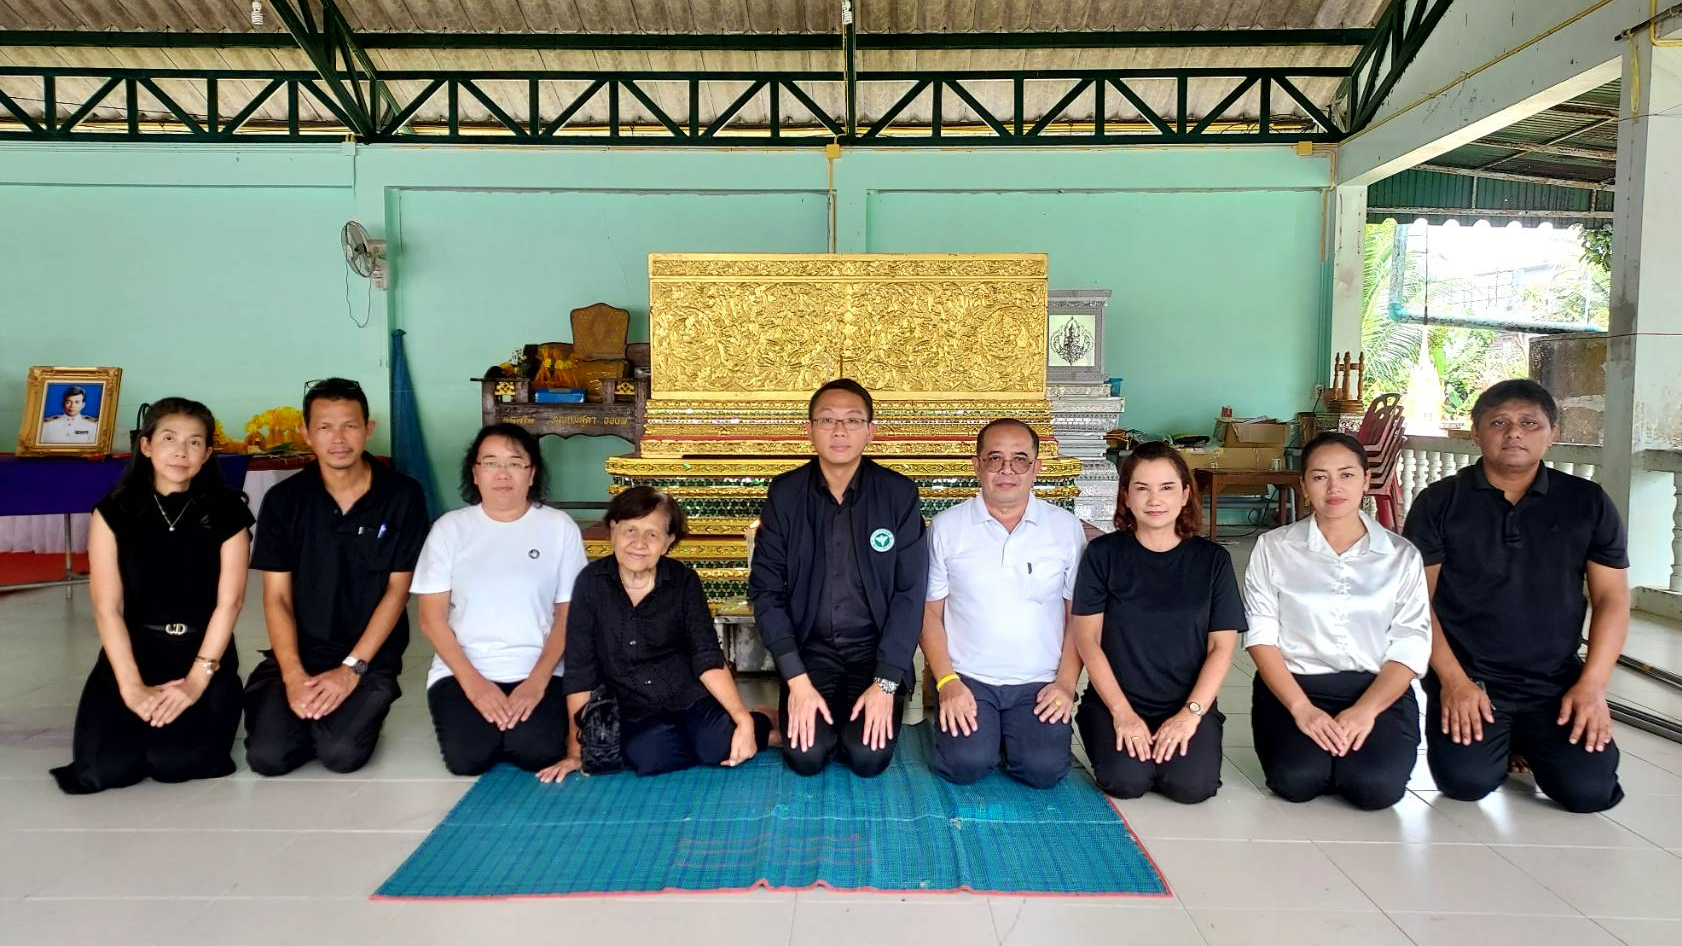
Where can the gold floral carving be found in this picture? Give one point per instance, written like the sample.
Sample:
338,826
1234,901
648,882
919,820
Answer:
703,550
654,446
1036,409
921,468
845,266
758,328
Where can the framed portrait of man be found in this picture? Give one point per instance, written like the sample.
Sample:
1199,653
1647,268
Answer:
69,411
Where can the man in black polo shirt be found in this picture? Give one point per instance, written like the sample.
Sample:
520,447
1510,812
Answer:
1508,544
337,545
839,571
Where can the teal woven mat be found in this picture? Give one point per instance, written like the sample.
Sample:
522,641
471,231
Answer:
761,825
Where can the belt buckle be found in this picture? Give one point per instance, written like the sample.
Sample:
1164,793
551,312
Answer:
175,630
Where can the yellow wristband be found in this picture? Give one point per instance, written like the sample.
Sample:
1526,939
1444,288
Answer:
944,680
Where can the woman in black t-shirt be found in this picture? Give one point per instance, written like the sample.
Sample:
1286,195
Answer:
167,549
1156,619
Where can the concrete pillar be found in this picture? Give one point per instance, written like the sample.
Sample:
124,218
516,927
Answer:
1347,236
1644,355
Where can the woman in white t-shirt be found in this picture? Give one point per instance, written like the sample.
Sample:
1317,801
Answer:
493,581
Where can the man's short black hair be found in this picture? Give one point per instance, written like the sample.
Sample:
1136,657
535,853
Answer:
981,438
335,389
75,390
843,384
1515,389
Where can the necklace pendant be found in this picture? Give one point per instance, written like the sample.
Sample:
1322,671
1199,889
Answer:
172,528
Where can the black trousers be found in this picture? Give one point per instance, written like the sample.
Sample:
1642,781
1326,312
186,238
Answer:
840,682
472,745
1577,779
1188,779
1297,769
699,735
113,748
277,741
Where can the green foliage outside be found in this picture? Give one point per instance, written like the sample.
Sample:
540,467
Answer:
1466,360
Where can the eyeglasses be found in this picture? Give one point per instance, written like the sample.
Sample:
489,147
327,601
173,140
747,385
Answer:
498,466
995,463
845,423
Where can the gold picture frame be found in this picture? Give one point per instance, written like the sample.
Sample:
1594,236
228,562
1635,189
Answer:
56,424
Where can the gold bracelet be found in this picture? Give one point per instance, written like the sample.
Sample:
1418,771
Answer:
944,680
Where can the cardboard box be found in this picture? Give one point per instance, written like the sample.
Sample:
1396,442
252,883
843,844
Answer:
1232,458
1231,433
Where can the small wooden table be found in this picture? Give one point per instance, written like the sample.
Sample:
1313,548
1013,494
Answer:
1212,482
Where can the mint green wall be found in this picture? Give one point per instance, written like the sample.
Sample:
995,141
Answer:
179,288
216,271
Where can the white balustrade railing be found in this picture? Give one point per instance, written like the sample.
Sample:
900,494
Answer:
1670,461
1424,460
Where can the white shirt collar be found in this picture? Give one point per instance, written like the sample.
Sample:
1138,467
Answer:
1306,533
981,515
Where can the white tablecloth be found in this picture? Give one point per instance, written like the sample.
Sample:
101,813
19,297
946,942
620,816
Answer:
46,533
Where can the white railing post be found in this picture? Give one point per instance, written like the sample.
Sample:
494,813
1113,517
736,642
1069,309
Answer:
1676,536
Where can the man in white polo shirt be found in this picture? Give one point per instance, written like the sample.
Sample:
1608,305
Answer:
1001,576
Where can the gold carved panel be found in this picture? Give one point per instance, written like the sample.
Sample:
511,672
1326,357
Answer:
911,328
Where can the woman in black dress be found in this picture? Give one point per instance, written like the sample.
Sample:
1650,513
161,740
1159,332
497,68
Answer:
167,550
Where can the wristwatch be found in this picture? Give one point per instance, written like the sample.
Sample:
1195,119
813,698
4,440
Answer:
1195,709
887,686
358,667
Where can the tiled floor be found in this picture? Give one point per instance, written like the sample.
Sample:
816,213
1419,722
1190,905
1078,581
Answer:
293,860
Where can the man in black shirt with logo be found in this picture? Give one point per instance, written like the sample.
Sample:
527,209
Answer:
337,545
1508,544
839,571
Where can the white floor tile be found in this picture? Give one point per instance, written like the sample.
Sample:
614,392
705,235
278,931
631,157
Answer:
168,864
1644,932
1514,818
1411,821
1256,875
33,859
1432,878
1235,813
1306,928
287,803
98,922
890,921
1639,884
1435,929
1041,921
328,864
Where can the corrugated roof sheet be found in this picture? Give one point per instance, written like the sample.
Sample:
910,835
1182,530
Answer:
1438,197
708,16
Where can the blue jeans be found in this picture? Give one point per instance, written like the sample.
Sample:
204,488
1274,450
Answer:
1035,753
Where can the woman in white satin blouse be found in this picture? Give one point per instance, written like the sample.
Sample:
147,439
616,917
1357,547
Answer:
1340,627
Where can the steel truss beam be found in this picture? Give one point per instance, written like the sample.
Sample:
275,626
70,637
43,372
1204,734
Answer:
321,31
741,42
540,122
1397,37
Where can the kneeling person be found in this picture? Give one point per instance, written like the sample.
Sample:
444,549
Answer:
1001,572
837,585
1156,617
1509,545
638,624
337,545
1339,628
494,581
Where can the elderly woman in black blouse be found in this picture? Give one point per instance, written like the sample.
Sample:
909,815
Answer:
639,626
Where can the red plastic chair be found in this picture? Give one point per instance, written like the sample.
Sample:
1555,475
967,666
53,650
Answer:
1384,482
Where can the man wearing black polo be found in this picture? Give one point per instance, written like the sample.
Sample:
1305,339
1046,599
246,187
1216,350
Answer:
1508,544
337,545
839,571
